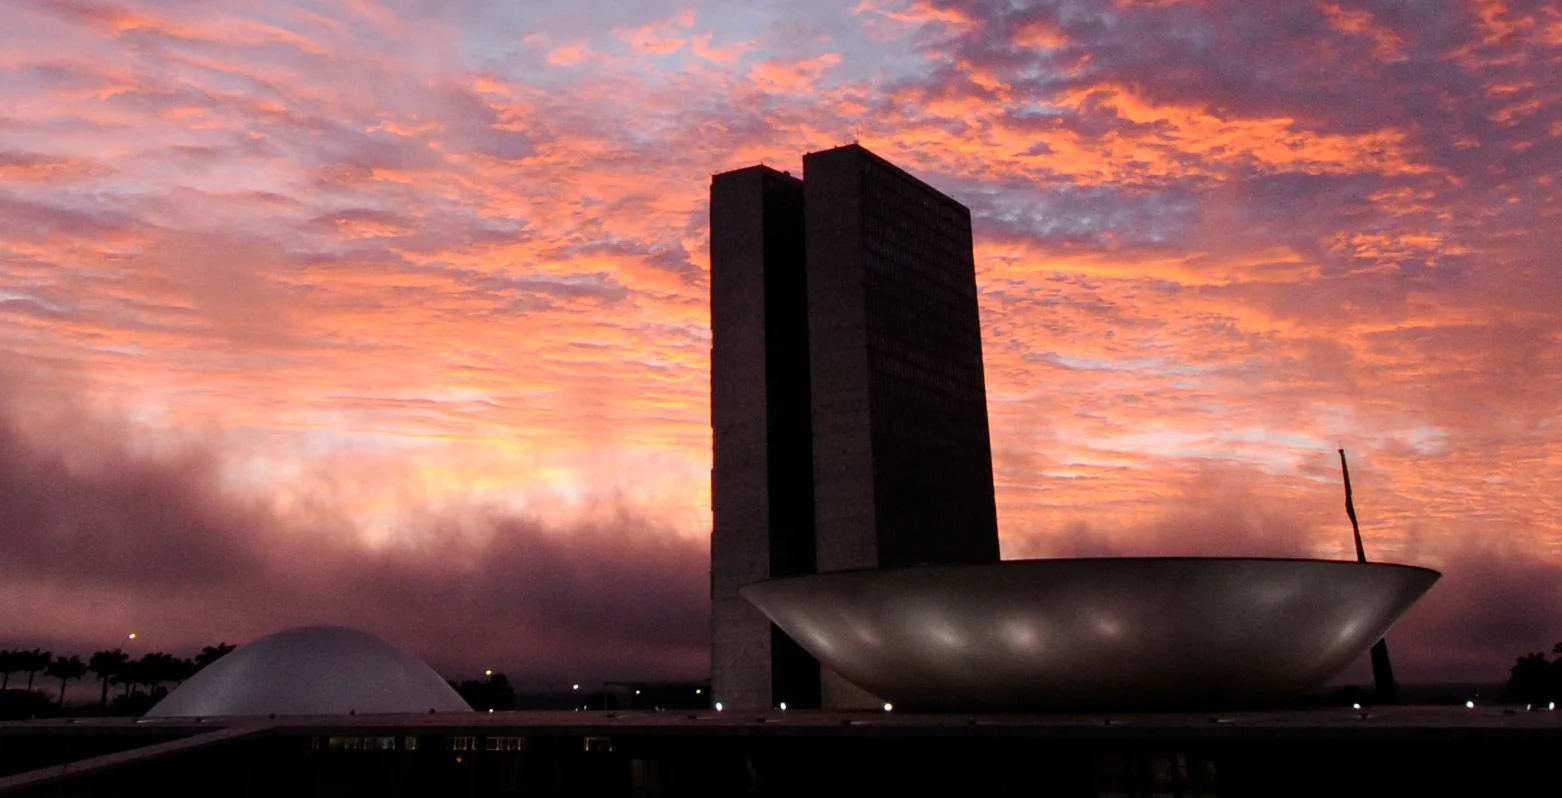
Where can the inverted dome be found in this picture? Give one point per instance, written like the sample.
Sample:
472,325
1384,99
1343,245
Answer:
1135,633
313,670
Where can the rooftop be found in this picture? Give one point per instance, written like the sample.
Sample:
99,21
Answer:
1396,721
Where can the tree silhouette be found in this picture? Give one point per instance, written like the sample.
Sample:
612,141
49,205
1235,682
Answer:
184,669
211,654
140,680
107,664
10,662
35,661
129,676
65,670
496,693
1533,680
155,668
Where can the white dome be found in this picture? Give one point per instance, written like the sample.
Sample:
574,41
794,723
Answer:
313,670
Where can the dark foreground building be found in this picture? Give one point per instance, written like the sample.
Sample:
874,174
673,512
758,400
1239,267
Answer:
1336,751
848,402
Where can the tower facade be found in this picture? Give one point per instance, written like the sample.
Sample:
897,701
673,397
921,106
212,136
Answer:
762,465
846,354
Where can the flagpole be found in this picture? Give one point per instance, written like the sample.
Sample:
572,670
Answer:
1382,670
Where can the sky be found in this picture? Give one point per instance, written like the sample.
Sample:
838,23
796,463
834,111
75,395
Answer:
394,313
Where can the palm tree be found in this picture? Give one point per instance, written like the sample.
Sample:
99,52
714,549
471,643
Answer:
132,674
66,670
211,654
156,668
107,664
36,660
10,662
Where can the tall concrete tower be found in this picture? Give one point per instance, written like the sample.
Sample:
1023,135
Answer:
762,486
847,355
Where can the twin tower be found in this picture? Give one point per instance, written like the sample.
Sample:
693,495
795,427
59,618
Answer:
847,400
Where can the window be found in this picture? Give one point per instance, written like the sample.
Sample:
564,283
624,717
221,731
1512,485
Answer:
344,743
506,743
599,745
463,743
411,744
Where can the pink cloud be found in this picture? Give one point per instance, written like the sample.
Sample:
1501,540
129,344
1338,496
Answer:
661,37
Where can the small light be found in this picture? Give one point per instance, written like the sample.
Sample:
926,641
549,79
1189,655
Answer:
637,692
1551,706
1355,706
888,706
132,635
490,712
697,691
1469,705
488,672
718,706
574,687
783,706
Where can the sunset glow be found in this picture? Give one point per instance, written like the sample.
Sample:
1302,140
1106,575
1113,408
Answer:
394,314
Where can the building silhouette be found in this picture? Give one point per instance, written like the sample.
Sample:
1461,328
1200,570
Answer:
848,402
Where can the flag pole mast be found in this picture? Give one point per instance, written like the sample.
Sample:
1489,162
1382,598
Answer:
1382,671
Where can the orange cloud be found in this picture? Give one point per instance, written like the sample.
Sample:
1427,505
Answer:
1387,45
793,75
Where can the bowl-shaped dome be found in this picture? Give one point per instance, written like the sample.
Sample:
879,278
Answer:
1093,633
313,670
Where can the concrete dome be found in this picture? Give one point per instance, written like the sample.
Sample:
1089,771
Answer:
313,670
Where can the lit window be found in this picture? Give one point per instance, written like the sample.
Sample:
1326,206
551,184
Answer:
410,744
463,743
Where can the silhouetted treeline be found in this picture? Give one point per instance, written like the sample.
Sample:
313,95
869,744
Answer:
1535,680
137,684
495,694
